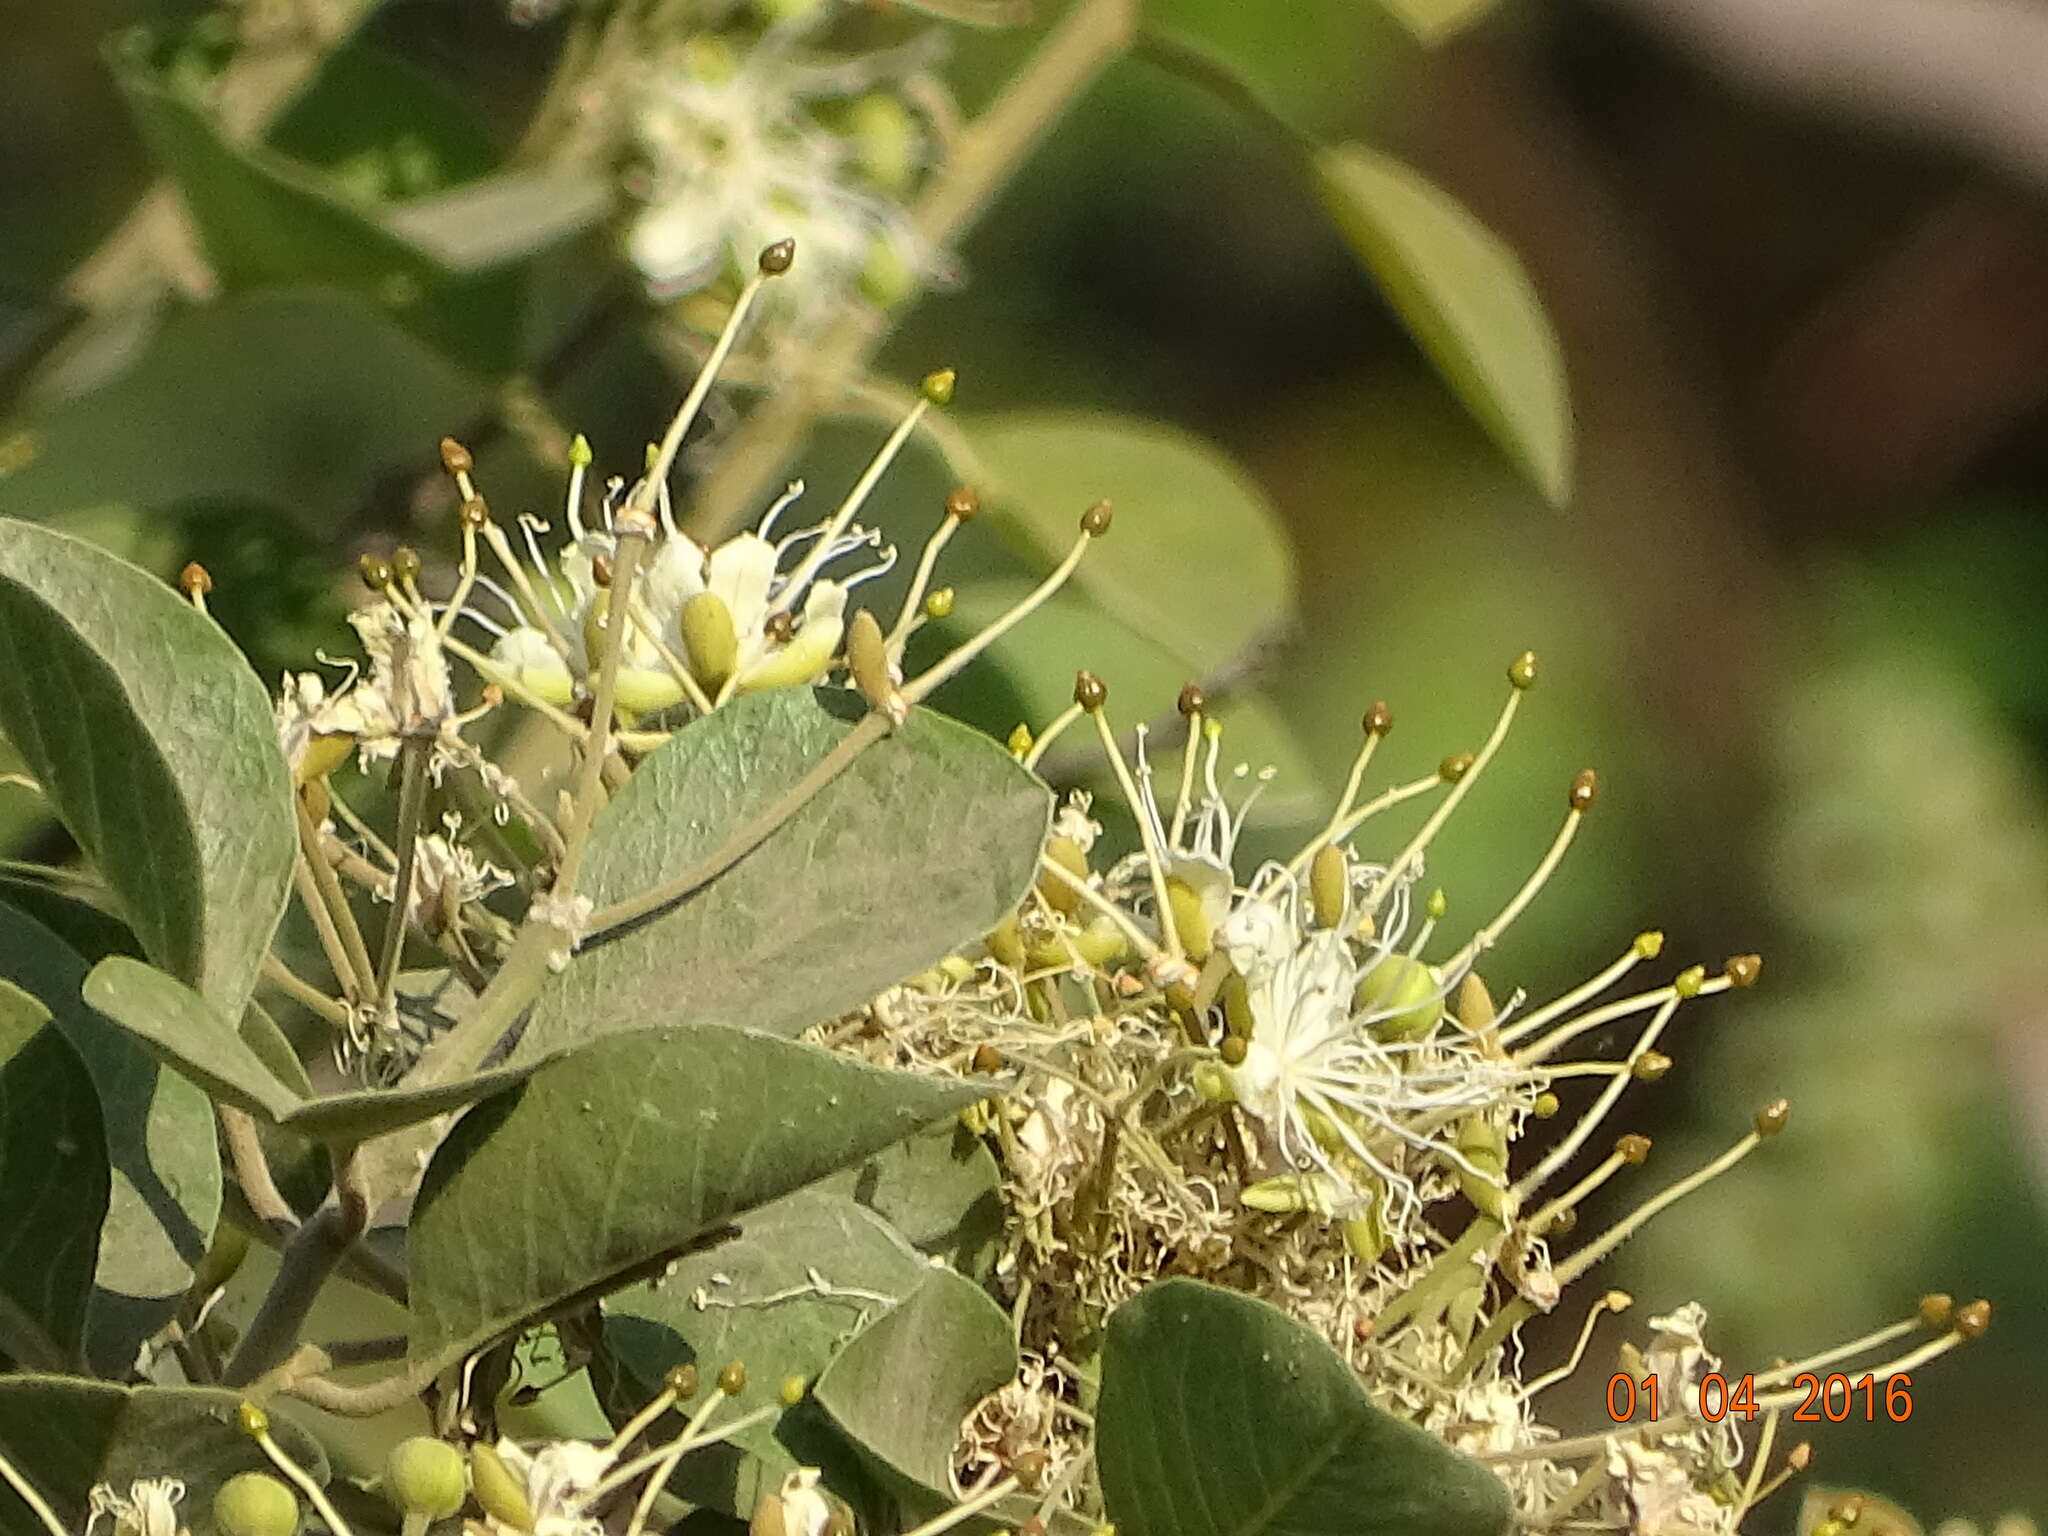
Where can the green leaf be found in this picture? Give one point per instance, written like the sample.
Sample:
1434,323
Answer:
903,1387
940,1190
923,844
155,744
1467,301
1189,1371
1437,21
184,1030
165,1179
266,221
53,1185
1196,562
89,929
66,1436
756,1299
309,400
623,1153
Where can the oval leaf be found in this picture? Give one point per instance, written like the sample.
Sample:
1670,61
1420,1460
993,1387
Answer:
922,845
1188,1369
1197,562
903,1388
621,1154
1467,301
155,743
53,1186
66,1436
165,1189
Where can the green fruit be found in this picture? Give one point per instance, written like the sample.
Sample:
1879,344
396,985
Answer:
255,1504
1401,996
423,1476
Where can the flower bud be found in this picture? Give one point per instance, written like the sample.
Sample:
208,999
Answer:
500,1493
885,139
1329,885
1006,943
867,659
255,1504
1058,894
1475,1005
886,278
423,1476
1402,996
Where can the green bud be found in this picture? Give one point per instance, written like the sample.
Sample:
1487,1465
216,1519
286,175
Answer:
886,278
501,1494
1213,1083
1058,894
1401,994
885,139
1329,885
423,1476
255,1504
710,643
1189,920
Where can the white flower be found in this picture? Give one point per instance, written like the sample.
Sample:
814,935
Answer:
1659,1492
735,160
560,1479
797,1508
150,1509
446,877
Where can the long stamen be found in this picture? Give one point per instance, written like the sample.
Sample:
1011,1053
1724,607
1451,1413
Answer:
1466,778
1613,1301
1872,1340
1629,1152
1050,734
962,504
1647,946
1378,721
938,389
1572,1029
1094,523
1769,1121
1090,694
580,458
1193,705
1911,1361
475,515
1568,1148
543,612
1580,801
1140,941
773,262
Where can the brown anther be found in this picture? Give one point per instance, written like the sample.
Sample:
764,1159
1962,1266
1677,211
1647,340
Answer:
987,1059
475,513
455,458
775,259
962,502
1455,767
492,697
1522,671
1938,1309
1362,1330
1650,1067
1379,719
195,580
1743,970
1095,521
1029,1467
601,569
779,627
375,571
1090,692
1233,1050
1192,700
1772,1117
1584,791
1633,1149
1563,1221
1032,1527
1800,1457
1974,1319
1847,1509
405,563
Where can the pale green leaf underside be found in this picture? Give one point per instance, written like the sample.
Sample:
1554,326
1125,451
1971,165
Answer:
1221,1416
164,1165
1467,300
156,745
624,1152
927,841
179,1026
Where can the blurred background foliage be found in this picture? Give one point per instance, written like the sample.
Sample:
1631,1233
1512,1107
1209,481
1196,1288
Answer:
1791,609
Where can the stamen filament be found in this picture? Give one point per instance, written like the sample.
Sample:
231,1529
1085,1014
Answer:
1568,1148
33,1499
862,488
1155,864
994,1494
1529,1023
1910,1361
1576,1195
465,582
913,600
542,612
1051,733
1566,1033
1139,940
1613,1301
1487,936
693,402
1621,1231
921,688
315,1494
1442,813
1190,750
1872,1340
1331,829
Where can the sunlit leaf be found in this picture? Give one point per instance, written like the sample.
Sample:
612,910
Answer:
1467,300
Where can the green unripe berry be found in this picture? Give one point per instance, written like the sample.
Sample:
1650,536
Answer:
1402,996
423,1476
255,1504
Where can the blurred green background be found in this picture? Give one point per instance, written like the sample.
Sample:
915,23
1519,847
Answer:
1793,611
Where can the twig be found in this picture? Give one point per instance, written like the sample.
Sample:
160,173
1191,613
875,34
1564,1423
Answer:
309,1258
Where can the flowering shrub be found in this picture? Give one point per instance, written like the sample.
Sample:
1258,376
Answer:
795,1060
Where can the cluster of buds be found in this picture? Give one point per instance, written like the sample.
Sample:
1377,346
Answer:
1285,1079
